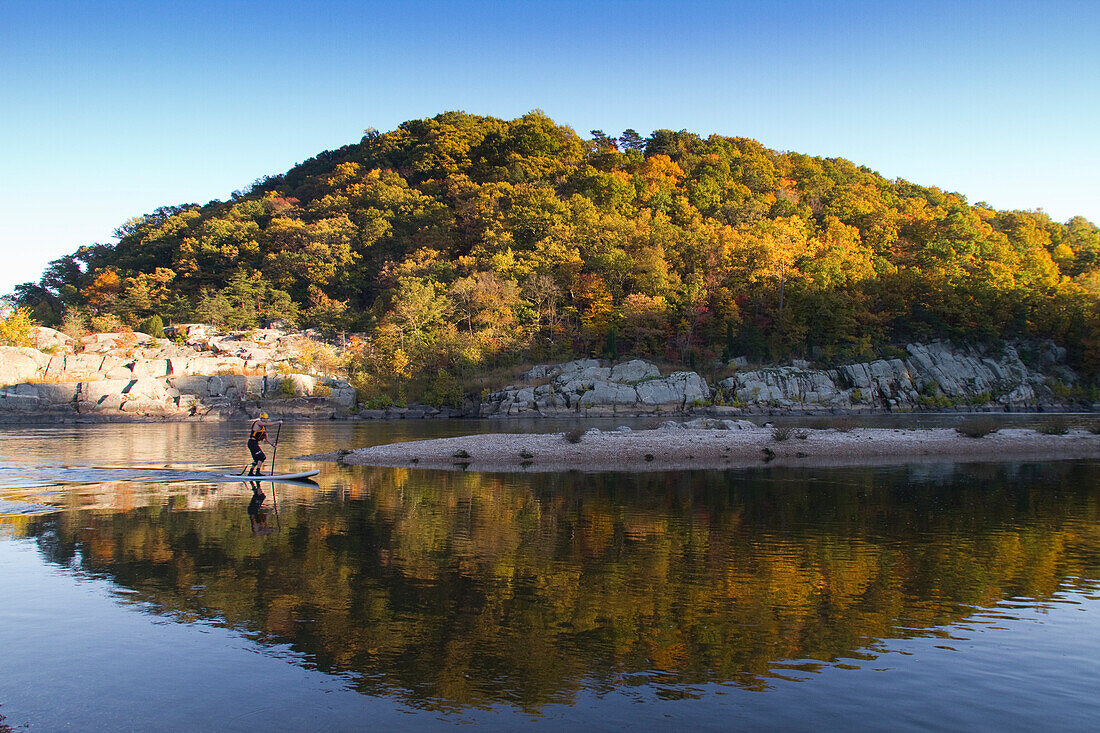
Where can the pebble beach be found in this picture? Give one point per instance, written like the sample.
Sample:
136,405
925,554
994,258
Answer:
680,449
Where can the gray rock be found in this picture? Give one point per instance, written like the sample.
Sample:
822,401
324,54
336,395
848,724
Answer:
343,397
567,369
609,393
13,402
693,386
658,392
704,423
634,371
739,425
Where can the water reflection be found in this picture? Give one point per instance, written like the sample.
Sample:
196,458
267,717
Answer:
450,590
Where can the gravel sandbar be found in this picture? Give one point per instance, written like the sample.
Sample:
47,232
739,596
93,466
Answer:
664,449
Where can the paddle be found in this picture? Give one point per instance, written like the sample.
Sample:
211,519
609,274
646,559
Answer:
274,452
275,448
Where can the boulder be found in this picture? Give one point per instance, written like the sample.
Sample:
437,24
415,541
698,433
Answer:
693,387
710,423
634,371
609,393
48,339
550,371
21,364
343,397
658,392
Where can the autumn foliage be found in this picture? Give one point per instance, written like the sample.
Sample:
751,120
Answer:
463,242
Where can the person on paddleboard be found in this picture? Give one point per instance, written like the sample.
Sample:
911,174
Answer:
258,434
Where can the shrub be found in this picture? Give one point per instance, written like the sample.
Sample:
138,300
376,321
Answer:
153,325
106,323
444,390
982,398
16,327
574,435
782,432
74,324
976,427
287,388
1057,425
378,402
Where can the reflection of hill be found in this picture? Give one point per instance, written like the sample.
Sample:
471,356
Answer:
454,589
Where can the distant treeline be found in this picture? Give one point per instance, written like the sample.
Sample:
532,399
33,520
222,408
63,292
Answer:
461,242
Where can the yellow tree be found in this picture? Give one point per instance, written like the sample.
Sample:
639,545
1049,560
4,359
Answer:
778,248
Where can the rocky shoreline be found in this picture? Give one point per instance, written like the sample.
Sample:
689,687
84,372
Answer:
203,375
715,444
128,377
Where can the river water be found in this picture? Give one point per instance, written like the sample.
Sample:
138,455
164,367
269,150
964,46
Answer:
137,594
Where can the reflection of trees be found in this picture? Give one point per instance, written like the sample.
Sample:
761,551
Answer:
454,589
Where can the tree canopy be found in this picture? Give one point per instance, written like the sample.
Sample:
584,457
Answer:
467,241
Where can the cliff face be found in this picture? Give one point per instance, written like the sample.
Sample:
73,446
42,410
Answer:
135,375
933,376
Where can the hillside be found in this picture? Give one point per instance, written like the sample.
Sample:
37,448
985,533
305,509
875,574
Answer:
460,243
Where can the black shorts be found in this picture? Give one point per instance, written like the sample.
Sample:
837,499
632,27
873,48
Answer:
254,447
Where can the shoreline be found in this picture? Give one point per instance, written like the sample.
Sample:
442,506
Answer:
681,449
317,409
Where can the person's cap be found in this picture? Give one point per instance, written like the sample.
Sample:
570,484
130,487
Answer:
263,415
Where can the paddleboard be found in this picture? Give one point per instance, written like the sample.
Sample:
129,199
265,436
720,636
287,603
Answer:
269,477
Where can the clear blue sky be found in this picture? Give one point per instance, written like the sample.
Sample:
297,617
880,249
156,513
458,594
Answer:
111,109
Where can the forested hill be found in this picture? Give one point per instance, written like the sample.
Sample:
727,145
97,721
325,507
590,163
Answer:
463,241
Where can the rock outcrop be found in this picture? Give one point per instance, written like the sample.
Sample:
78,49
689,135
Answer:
204,373
585,386
933,376
135,375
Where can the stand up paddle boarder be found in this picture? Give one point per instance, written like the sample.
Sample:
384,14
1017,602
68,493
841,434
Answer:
258,434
